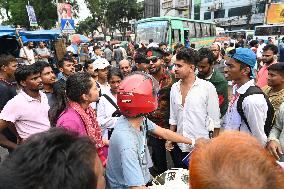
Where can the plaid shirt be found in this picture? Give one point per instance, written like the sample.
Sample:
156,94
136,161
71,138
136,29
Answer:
162,114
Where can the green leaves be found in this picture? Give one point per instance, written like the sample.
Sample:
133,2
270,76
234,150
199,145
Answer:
45,10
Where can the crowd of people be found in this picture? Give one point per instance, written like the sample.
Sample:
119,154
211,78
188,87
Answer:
105,118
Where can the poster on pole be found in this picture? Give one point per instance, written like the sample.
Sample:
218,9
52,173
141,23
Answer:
32,16
64,11
275,14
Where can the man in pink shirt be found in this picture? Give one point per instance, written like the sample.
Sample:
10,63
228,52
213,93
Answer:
269,57
27,111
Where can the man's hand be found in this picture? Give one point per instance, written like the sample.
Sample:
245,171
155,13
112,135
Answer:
275,149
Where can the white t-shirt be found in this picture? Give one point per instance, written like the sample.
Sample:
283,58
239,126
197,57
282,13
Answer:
27,53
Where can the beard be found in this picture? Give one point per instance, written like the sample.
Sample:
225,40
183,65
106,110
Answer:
155,70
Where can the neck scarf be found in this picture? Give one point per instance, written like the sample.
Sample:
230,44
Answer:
92,128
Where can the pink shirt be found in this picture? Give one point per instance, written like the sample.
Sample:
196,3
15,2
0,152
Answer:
262,75
72,121
29,115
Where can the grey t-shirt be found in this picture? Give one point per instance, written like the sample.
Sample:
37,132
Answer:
43,51
127,158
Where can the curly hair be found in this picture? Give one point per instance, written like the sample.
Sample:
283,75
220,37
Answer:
234,160
189,56
5,60
23,71
77,85
206,53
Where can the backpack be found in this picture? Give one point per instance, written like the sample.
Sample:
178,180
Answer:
270,112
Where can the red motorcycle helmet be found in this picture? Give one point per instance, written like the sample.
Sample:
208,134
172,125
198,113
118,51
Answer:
137,95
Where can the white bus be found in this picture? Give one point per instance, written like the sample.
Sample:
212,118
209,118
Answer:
237,34
275,31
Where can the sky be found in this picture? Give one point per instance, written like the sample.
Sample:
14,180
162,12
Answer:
83,10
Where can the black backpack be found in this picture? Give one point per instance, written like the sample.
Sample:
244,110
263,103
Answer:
270,112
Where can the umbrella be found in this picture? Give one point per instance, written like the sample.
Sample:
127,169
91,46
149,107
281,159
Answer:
77,38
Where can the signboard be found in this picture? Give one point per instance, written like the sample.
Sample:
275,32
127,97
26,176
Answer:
275,14
67,26
32,16
64,11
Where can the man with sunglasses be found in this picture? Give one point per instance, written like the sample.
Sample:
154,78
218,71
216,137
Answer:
253,106
269,57
141,60
161,115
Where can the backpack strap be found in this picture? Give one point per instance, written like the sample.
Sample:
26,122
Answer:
250,91
111,101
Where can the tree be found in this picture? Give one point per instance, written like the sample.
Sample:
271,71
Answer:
45,10
114,13
87,26
4,5
97,18
120,12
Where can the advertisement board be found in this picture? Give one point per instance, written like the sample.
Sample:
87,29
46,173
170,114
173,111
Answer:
275,14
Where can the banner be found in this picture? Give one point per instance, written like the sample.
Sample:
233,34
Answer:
275,14
32,16
64,11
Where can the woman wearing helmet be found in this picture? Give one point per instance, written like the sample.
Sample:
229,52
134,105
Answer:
128,153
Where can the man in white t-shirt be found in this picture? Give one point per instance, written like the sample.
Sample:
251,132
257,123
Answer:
27,53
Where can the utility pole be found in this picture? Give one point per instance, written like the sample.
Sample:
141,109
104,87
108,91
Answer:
57,13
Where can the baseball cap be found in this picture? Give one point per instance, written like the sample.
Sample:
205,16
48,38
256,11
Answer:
100,63
246,56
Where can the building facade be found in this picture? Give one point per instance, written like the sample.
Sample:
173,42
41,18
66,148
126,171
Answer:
178,8
229,14
151,8
233,14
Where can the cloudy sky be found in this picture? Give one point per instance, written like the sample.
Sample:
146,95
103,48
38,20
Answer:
83,10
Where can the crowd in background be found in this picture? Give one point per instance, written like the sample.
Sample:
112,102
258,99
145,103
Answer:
183,101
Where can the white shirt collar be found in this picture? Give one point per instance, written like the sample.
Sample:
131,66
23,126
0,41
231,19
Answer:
245,86
209,77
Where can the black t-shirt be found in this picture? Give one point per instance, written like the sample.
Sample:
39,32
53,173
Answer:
7,92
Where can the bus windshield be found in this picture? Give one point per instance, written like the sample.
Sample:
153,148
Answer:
269,30
156,30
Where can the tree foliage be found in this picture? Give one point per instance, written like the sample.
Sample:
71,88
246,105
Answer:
120,12
45,10
111,13
87,26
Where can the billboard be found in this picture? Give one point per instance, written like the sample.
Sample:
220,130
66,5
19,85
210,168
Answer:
275,14
64,11
32,16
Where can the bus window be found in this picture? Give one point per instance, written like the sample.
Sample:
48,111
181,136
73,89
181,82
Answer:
176,36
205,30
191,29
213,29
198,29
